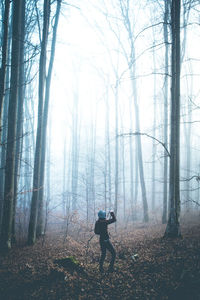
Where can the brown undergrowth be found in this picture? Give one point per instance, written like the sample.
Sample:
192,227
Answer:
164,268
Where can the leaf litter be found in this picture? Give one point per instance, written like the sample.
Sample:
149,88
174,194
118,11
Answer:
147,267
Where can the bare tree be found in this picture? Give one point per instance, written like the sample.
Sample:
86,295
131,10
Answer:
6,230
4,56
37,160
40,226
21,93
166,80
75,151
131,61
173,226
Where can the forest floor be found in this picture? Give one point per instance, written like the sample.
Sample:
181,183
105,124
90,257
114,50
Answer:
164,269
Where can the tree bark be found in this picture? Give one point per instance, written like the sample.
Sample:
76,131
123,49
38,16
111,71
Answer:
153,193
4,56
3,148
165,175
21,94
37,160
125,10
108,151
139,148
132,199
173,226
6,230
40,220
75,152
116,148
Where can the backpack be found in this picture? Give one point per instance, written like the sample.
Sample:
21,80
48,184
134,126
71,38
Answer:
97,228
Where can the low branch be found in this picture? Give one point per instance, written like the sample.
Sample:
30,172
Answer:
197,203
152,137
192,122
194,176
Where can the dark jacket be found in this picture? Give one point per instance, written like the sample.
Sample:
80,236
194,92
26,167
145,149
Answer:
101,227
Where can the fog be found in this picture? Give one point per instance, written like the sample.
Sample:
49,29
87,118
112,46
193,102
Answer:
109,125
89,62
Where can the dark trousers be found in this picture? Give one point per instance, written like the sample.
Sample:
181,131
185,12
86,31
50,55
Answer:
106,244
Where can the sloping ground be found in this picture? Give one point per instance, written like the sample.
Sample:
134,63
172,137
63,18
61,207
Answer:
164,269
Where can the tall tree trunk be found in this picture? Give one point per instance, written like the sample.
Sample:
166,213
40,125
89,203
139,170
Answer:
21,94
123,166
125,11
116,148
75,152
87,194
108,151
136,181
6,230
123,178
173,226
4,135
64,181
165,175
3,148
187,132
48,182
139,147
5,28
37,160
153,194
188,158
91,168
105,173
40,220
131,154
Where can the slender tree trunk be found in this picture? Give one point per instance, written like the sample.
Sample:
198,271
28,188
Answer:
3,149
37,160
131,154
116,148
188,159
154,134
40,224
105,175
21,95
136,181
75,152
139,148
64,181
5,28
165,175
173,226
48,184
187,131
87,199
6,230
92,178
142,181
125,10
108,152
123,179
4,135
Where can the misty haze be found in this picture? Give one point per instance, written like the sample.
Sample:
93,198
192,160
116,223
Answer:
99,151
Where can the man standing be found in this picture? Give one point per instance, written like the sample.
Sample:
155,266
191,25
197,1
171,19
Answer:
101,229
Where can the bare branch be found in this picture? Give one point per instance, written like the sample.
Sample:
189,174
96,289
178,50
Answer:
146,28
191,201
194,176
145,134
